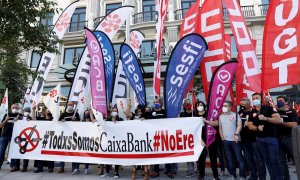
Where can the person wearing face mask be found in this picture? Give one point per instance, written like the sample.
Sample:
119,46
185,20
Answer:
249,145
114,117
157,113
45,115
212,149
69,115
230,126
6,127
262,120
284,130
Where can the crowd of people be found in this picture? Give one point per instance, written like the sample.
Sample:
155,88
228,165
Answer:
256,139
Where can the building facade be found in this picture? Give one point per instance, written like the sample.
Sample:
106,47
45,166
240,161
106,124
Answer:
90,12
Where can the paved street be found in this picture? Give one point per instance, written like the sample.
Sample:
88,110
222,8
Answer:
124,174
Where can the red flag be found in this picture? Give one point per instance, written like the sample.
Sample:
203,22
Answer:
212,29
228,46
161,8
244,45
281,50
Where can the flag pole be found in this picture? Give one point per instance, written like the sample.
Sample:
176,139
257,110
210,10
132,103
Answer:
127,36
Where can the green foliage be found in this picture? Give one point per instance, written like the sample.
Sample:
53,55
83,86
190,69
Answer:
20,25
21,30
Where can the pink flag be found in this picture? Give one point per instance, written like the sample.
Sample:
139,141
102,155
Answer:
97,76
219,87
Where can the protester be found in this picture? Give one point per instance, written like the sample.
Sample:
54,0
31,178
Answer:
45,115
254,160
7,125
230,126
87,117
212,149
188,112
159,113
263,120
114,118
289,120
69,115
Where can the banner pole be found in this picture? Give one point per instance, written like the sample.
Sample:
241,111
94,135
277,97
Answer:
127,35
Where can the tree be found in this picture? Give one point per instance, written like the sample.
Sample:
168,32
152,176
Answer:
21,30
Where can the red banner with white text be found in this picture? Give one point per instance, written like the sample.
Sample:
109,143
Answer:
281,50
244,45
161,8
212,29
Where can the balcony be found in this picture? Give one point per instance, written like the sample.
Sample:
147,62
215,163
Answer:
144,17
264,9
179,14
248,11
77,26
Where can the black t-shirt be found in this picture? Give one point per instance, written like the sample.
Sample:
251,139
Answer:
186,114
40,118
287,116
7,130
247,135
269,129
67,116
158,114
117,119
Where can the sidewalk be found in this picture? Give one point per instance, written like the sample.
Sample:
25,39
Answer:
124,174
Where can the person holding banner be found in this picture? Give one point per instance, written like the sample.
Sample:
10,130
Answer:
69,115
284,129
88,116
6,126
45,115
254,160
263,120
158,113
114,117
212,149
230,126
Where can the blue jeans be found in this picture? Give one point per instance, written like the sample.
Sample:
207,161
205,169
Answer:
62,164
254,159
285,148
234,150
268,148
4,141
76,166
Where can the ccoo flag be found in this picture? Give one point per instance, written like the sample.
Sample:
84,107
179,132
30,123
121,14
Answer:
219,87
133,72
97,73
183,63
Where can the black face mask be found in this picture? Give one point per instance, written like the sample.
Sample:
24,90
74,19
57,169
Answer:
243,107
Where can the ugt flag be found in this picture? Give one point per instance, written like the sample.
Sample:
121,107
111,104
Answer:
183,63
281,50
219,86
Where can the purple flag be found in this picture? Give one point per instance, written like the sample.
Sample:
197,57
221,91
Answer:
97,73
219,86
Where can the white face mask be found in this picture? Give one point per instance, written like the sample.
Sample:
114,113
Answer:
256,102
224,109
200,108
70,108
26,114
114,114
14,111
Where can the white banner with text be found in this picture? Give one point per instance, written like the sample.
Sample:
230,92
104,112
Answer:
134,142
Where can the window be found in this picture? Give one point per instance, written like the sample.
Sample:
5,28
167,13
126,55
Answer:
111,7
265,1
72,55
48,21
117,50
35,59
234,50
149,10
78,20
147,49
186,4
